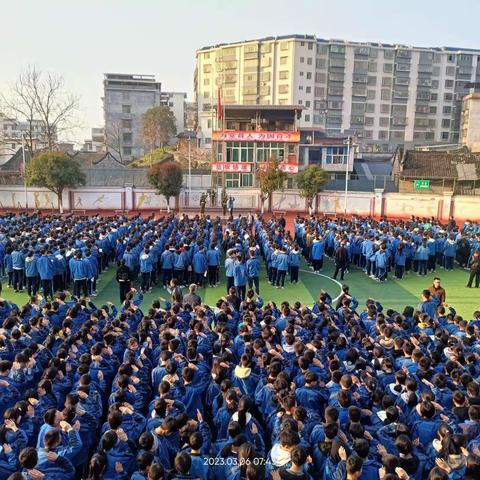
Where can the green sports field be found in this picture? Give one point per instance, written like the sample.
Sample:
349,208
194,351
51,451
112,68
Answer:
392,294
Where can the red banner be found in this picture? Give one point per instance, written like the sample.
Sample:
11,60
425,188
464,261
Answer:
254,136
284,167
231,167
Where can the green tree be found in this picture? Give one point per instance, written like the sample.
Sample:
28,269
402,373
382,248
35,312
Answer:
166,178
271,179
311,181
54,171
158,126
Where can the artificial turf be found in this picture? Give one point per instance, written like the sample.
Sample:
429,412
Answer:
392,294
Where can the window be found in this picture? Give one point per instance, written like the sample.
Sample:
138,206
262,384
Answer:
309,60
371,81
126,109
309,75
239,152
320,77
283,88
300,87
372,66
337,49
307,117
445,135
337,91
386,94
126,123
284,46
369,121
335,105
321,63
317,119
127,138
308,89
266,150
386,81
335,156
370,108
433,109
448,97
207,68
383,134
371,94
435,84
384,108
448,83
388,67
301,74
127,150
445,123
388,54
302,59
283,60
357,119
447,109
368,133
436,71
265,76
206,81
307,103
283,74
384,121
433,97
450,71
310,46
358,108
320,91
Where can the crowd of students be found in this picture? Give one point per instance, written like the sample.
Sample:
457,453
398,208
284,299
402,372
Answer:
243,389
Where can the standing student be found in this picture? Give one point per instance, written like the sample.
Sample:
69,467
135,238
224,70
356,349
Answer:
31,274
9,266
179,266
253,269
400,260
422,258
167,260
230,269
231,203
18,264
282,267
474,270
381,262
449,252
146,267
240,277
294,263
213,263
317,253
124,279
199,264
46,270
79,271
92,264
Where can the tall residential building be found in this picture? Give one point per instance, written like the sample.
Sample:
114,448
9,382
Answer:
126,98
176,101
470,126
11,131
384,94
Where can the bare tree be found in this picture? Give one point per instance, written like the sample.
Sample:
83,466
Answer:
114,139
42,96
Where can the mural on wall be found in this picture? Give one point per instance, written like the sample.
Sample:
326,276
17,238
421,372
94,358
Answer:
96,200
150,200
336,204
406,206
287,201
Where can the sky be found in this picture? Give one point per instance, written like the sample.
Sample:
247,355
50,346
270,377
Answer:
83,39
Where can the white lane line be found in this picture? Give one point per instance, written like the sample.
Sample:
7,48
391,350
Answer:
328,278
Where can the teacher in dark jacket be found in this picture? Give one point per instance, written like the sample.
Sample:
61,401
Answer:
341,260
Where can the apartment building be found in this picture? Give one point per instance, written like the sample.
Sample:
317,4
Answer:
96,143
470,125
176,101
11,131
383,94
126,98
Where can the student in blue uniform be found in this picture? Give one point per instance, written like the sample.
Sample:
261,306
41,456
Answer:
240,277
253,271
213,265
45,270
31,274
294,260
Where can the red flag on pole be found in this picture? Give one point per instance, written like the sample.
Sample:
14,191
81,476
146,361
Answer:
219,106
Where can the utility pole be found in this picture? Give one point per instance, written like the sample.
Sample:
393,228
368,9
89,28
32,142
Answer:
349,143
24,171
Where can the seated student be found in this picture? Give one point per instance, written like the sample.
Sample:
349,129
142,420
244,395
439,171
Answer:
46,463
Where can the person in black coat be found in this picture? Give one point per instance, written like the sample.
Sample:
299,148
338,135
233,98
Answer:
341,261
124,279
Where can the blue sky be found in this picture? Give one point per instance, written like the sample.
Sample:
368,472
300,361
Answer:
83,39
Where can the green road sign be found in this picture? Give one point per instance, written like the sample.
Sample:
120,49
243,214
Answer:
421,184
